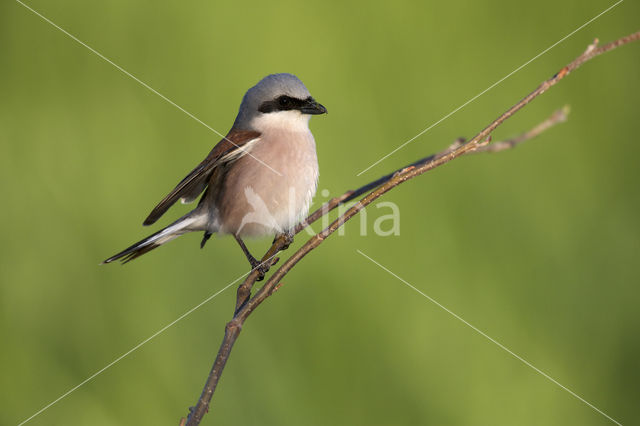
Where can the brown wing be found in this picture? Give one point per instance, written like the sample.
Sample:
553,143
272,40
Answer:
196,181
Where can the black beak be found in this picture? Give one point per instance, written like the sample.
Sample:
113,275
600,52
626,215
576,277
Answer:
312,107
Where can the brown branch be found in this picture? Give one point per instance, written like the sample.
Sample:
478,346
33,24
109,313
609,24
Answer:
245,304
560,116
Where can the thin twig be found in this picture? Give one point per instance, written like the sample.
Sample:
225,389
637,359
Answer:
245,304
560,116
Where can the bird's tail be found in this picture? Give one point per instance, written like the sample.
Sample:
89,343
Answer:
181,226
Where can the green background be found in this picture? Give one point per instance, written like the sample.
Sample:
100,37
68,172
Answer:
538,247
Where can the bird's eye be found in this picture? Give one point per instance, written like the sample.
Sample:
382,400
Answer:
283,101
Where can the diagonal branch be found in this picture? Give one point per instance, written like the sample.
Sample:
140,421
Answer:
559,116
245,304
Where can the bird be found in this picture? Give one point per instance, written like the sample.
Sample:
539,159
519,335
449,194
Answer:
258,181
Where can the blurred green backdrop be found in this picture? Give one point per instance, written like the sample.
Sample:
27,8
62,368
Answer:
537,246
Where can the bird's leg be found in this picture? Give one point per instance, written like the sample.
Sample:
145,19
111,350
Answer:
288,239
262,268
205,238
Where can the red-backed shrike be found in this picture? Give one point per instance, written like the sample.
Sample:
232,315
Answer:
258,181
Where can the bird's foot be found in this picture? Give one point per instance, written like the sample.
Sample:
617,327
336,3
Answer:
261,267
287,238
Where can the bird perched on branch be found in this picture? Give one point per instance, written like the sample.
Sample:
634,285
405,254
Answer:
257,181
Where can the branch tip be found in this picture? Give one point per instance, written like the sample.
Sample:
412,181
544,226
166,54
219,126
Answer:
592,46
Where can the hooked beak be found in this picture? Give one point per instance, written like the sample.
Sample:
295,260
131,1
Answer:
312,107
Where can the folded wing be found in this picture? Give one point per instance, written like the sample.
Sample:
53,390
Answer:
195,182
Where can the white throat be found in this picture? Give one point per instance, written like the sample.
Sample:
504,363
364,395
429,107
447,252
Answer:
293,121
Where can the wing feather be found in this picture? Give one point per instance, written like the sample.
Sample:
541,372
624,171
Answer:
196,181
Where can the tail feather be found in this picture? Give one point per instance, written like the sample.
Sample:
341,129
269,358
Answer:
177,228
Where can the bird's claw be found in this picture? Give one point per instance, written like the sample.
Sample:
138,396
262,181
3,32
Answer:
261,267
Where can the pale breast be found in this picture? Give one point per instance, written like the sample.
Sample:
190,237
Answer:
253,200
